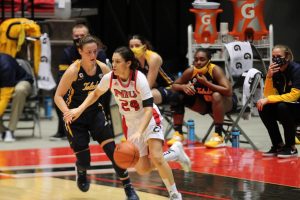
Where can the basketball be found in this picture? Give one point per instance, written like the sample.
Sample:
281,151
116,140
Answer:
126,155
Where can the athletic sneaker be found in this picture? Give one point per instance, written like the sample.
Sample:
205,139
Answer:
176,137
9,136
130,193
287,152
297,140
175,196
182,158
82,182
216,141
272,152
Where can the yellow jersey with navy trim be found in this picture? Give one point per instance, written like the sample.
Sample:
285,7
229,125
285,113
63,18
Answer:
203,90
82,86
164,78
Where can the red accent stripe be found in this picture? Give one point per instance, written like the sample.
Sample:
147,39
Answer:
156,116
121,83
124,126
136,74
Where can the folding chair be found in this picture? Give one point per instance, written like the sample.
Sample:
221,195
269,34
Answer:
167,114
231,122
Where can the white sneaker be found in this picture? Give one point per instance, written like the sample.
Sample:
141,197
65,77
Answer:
9,136
183,159
175,196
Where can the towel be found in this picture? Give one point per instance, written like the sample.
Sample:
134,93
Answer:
241,57
45,78
247,86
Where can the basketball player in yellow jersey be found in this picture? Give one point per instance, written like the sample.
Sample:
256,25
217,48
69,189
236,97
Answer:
160,81
206,89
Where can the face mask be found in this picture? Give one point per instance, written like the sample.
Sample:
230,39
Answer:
76,42
138,51
279,61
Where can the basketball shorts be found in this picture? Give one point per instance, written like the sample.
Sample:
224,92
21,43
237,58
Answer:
153,131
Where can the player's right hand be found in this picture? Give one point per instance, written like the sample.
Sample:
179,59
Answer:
189,89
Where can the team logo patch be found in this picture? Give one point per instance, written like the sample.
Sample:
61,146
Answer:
100,76
156,129
81,75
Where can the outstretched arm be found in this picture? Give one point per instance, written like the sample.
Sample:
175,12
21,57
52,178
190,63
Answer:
73,114
64,85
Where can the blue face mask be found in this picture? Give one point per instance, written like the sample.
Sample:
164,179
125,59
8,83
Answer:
279,60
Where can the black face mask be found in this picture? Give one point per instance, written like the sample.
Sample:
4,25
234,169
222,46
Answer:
76,42
279,60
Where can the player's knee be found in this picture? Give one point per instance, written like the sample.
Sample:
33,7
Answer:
143,170
217,97
157,159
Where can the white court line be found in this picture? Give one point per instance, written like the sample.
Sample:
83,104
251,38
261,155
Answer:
101,163
64,173
72,155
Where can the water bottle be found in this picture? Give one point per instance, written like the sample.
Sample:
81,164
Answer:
191,131
48,107
179,74
235,137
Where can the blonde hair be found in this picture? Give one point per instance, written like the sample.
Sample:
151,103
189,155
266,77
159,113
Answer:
287,51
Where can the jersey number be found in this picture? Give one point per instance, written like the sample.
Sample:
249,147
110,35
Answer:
126,105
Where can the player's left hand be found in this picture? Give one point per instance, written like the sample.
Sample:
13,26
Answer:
260,104
135,137
201,79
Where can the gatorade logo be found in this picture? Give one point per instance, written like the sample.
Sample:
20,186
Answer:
206,19
248,11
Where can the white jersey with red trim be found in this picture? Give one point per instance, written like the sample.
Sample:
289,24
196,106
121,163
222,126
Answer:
128,95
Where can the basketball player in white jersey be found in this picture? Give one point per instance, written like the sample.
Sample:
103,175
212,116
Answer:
143,119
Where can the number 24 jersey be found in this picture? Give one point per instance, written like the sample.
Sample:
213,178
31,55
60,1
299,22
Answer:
129,95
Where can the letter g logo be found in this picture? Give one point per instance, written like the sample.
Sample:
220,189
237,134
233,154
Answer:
248,11
205,19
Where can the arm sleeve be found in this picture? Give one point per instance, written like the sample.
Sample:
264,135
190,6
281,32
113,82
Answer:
292,96
148,102
269,89
143,87
5,95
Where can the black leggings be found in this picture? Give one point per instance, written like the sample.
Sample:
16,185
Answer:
287,114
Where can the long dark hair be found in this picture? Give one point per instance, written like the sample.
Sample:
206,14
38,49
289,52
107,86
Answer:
128,55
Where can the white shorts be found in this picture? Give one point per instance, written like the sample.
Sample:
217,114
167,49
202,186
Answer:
153,131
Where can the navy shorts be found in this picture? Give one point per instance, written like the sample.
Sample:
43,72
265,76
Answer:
92,123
